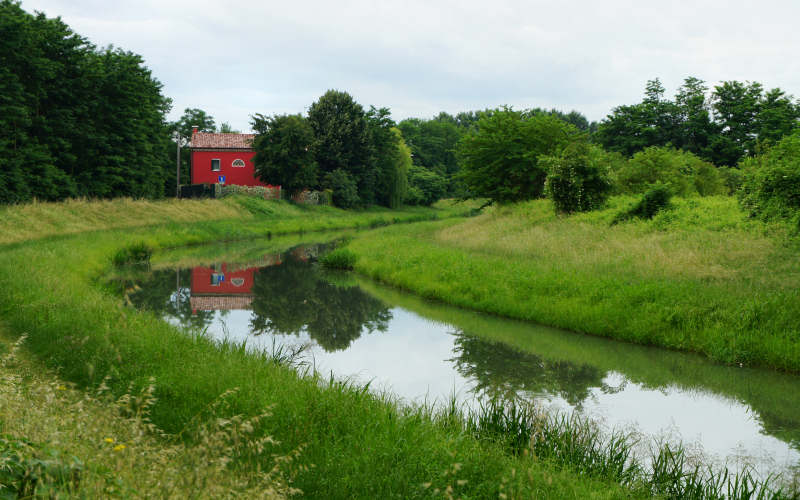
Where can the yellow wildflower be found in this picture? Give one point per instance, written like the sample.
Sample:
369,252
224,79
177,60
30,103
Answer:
109,440
119,447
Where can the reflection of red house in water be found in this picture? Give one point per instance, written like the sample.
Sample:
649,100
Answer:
225,286
230,286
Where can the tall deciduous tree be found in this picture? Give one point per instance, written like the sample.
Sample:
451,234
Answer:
736,108
283,151
74,119
341,138
500,160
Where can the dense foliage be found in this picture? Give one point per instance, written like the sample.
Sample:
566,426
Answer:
425,186
684,173
578,178
359,155
771,181
500,158
721,127
653,201
283,151
74,119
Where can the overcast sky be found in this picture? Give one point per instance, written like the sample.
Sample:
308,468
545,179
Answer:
233,58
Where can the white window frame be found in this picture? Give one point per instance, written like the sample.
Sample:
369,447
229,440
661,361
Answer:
219,165
233,163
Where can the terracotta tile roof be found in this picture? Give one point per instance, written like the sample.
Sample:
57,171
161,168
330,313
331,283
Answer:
222,141
220,302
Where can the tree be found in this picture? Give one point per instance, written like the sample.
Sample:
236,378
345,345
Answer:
194,117
225,128
682,172
425,186
382,147
697,130
653,122
771,181
344,188
191,117
283,151
341,139
777,116
736,108
400,161
500,160
75,120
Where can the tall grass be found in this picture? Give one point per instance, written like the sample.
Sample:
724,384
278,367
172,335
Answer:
58,442
575,443
698,277
354,444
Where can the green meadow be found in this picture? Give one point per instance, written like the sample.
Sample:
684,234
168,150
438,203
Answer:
343,441
698,277
256,423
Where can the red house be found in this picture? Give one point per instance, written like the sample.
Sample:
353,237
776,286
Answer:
223,155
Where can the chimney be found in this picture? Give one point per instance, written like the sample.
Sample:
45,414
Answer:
194,129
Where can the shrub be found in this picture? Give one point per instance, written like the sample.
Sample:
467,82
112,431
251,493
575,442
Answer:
654,200
343,187
731,178
341,258
682,172
137,253
425,186
771,181
577,179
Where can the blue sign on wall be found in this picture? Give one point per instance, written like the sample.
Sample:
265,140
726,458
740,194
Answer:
222,179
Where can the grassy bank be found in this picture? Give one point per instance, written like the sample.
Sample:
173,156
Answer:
699,277
355,445
77,444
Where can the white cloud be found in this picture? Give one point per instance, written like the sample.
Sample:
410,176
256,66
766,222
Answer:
239,57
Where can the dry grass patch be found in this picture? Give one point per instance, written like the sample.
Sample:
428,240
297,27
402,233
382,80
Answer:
41,219
587,243
58,442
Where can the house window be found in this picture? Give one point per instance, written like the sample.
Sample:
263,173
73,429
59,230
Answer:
238,163
215,165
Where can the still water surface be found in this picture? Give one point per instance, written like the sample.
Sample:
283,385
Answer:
423,351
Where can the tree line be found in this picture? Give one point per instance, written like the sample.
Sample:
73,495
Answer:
358,155
77,120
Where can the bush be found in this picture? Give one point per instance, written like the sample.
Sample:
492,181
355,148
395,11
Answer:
577,179
771,181
682,172
341,258
343,187
138,253
654,200
731,178
425,187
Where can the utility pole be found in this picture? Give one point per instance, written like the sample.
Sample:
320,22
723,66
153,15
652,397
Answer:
178,162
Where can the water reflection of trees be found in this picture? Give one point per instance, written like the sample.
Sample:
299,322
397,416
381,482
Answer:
167,293
294,297
501,371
